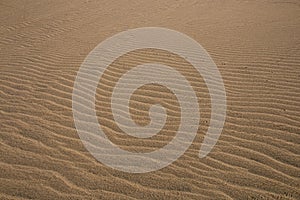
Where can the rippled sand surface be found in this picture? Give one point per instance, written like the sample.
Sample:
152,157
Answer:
256,46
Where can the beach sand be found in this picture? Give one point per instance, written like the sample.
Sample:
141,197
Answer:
256,47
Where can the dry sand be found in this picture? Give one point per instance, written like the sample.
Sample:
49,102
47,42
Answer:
256,46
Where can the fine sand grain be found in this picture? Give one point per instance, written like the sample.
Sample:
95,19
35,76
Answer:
256,46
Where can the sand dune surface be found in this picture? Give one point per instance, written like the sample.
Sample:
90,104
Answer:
256,47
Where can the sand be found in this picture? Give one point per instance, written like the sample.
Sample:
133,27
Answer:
256,46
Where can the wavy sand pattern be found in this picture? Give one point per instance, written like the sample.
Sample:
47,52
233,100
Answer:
256,46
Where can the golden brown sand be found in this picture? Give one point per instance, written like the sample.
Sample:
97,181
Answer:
256,46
